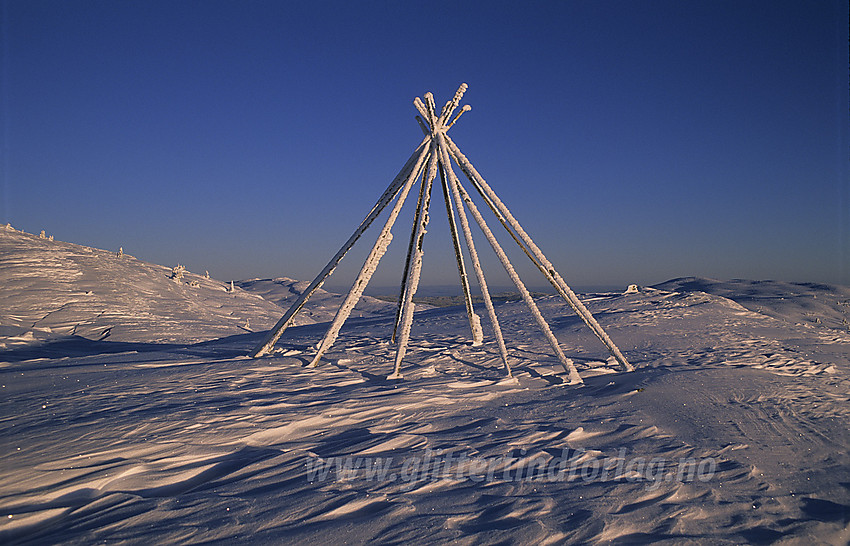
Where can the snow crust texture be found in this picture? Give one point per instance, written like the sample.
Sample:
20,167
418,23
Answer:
162,432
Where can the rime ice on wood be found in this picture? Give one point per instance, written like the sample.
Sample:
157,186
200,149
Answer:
535,312
415,266
275,333
177,273
538,259
474,320
479,272
368,269
437,151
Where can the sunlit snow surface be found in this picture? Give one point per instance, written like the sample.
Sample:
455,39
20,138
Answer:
129,413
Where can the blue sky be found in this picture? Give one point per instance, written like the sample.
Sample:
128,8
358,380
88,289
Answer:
635,141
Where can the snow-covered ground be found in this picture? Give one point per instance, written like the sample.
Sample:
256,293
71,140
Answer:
130,413
322,305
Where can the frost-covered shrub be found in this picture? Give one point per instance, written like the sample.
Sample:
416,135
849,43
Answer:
177,273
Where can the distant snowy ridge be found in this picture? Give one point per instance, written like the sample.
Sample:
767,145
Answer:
799,303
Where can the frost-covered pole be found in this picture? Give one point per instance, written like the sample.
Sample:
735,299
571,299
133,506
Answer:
474,320
476,264
415,269
431,111
368,269
451,105
407,260
426,129
391,191
575,378
539,260
466,108
422,125
417,102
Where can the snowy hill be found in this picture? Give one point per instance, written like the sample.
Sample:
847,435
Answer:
801,303
129,413
68,289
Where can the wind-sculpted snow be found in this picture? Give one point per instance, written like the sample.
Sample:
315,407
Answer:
57,288
733,429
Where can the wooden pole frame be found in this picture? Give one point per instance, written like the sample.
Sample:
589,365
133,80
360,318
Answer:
434,156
